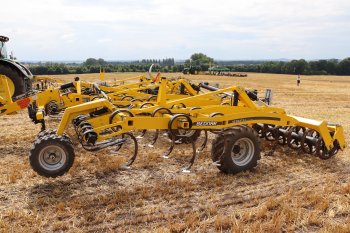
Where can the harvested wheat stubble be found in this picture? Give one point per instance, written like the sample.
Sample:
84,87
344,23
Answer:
286,191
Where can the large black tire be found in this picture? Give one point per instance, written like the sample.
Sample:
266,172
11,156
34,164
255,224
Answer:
16,77
46,133
51,155
236,149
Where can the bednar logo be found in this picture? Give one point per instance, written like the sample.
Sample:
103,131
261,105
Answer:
23,103
206,123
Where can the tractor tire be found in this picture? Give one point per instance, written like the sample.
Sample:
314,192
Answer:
17,78
51,155
46,133
236,149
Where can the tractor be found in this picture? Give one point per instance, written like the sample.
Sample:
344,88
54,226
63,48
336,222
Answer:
19,76
192,70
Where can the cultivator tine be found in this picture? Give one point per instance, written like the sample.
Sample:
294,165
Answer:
217,163
154,138
194,154
171,148
204,144
120,146
142,135
133,157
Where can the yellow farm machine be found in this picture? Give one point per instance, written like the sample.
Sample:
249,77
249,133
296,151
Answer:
239,121
108,114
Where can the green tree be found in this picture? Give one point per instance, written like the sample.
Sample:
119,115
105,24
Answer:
332,66
90,62
300,66
101,62
95,62
201,60
344,67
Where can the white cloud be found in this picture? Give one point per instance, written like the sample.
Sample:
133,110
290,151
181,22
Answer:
128,29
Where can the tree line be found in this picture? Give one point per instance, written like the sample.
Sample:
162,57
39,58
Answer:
203,62
320,67
102,62
92,65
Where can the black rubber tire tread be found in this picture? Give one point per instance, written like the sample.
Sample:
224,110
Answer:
226,163
46,132
48,138
16,77
47,110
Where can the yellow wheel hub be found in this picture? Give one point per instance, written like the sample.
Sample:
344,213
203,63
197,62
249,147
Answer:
11,86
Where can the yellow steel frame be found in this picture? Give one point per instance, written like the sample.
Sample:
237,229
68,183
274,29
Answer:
245,112
64,100
8,106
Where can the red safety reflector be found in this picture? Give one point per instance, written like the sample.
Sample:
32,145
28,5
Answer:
23,103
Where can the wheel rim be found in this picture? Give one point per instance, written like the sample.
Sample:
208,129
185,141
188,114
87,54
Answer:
52,158
242,151
11,86
52,108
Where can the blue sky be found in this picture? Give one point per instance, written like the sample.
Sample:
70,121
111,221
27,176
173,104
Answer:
131,29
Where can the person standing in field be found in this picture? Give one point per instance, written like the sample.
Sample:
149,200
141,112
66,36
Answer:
298,80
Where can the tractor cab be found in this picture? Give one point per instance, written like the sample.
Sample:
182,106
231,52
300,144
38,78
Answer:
3,51
18,76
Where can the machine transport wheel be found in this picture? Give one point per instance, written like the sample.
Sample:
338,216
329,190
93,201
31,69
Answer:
236,149
46,133
51,155
52,108
17,79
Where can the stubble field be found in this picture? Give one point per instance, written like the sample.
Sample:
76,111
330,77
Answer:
286,192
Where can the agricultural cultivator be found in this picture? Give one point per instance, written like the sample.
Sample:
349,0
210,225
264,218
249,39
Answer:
116,114
238,118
